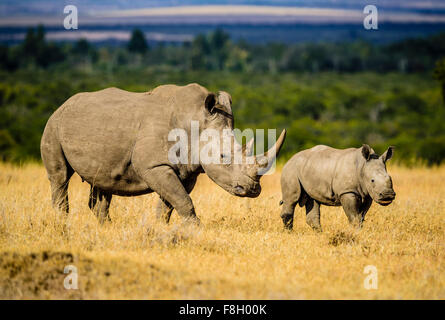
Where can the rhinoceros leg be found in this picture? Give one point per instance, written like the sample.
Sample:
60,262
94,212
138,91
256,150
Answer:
313,214
287,213
99,203
164,181
351,205
59,195
164,209
364,207
59,171
291,194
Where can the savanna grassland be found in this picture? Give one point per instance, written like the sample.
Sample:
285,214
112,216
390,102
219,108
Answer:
240,252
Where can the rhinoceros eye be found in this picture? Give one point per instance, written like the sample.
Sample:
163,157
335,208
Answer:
372,180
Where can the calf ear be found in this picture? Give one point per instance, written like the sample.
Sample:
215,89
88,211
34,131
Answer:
210,102
366,151
387,154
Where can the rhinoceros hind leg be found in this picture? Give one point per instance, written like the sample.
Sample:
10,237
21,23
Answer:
313,214
287,213
99,203
291,195
59,171
59,195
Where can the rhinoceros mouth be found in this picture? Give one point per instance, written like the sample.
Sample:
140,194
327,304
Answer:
384,203
386,198
241,191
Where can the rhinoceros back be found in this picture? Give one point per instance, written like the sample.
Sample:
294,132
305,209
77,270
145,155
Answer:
324,172
97,132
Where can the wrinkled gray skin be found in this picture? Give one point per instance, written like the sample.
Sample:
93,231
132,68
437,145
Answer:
117,141
352,178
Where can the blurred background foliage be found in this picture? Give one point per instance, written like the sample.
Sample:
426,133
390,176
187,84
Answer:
339,94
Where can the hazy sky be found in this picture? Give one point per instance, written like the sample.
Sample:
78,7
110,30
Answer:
30,7
18,12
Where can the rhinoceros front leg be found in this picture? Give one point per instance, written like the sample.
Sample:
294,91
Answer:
351,204
99,203
366,204
313,214
164,181
164,209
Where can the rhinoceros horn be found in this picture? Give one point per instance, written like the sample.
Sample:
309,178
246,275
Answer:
265,161
249,147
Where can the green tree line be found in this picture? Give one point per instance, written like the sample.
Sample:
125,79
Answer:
341,95
216,51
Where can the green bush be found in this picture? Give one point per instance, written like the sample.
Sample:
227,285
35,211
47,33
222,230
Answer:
432,149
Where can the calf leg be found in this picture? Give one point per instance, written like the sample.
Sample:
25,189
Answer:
291,191
364,207
164,181
351,205
99,203
313,214
287,214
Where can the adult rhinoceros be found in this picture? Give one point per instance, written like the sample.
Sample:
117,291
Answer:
118,142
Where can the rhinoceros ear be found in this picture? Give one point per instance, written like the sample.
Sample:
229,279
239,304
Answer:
210,102
225,100
366,151
387,154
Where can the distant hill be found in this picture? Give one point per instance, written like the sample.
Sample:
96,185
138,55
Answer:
254,33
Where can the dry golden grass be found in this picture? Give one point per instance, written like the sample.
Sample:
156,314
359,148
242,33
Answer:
241,252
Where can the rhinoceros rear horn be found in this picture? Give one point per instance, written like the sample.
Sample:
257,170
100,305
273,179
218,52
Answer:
249,147
266,160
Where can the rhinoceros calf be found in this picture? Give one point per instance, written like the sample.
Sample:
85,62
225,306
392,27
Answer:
118,142
351,178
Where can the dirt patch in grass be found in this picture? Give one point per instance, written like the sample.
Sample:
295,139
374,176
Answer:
341,238
40,275
34,275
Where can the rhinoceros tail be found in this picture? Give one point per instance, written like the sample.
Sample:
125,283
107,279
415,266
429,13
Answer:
281,202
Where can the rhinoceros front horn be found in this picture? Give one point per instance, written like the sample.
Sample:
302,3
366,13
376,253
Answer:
265,161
